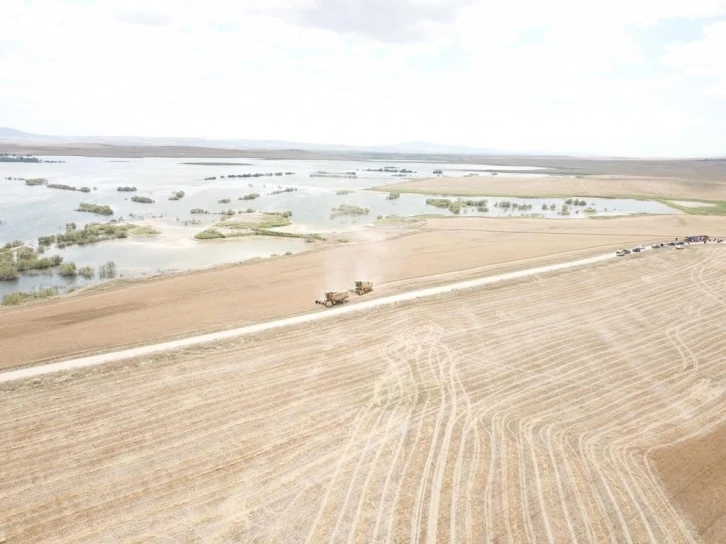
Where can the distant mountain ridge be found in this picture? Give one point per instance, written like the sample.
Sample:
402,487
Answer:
12,135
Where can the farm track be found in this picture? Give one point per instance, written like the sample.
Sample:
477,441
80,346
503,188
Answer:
527,412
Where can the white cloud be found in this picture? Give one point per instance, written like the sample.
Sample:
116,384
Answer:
703,58
446,71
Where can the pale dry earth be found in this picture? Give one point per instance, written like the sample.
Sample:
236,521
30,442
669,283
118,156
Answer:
534,411
694,472
607,186
438,251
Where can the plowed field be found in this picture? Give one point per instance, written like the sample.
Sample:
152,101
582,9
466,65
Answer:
525,412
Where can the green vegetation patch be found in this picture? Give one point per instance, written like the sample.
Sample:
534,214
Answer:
126,189
94,208
250,196
7,157
36,181
718,207
209,234
90,234
142,199
285,190
19,297
144,230
348,209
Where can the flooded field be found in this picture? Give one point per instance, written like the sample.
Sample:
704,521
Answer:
167,191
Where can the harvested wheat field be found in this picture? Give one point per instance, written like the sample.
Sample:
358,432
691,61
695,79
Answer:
527,412
608,186
438,251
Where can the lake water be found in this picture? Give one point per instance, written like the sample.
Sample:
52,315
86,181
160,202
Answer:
29,212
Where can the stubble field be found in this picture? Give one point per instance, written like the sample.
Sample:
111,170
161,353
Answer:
569,186
528,412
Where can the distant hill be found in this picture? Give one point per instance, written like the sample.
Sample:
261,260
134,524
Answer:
11,135
6,132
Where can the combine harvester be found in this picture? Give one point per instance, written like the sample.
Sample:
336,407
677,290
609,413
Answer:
333,298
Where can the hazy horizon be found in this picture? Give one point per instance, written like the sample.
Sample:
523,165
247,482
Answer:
621,79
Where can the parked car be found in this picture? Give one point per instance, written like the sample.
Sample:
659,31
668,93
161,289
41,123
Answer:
671,243
620,252
656,246
680,245
639,247
636,250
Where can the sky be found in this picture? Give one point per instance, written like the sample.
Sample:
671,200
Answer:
631,78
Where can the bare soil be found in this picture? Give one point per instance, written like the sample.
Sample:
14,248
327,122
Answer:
608,186
444,250
694,472
525,412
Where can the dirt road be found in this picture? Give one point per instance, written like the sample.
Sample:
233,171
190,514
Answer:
336,313
190,304
525,412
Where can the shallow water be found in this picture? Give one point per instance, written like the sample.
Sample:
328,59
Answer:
29,212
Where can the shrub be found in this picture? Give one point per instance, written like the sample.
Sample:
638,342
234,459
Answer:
91,233
438,172
142,199
36,181
439,202
86,271
62,186
224,201
393,196
347,209
343,192
85,189
14,243
482,209
209,234
145,230
94,208
250,196
12,299
26,254
455,207
107,270
126,189
199,210
68,270
8,272
38,264
178,195
285,190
